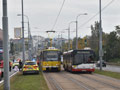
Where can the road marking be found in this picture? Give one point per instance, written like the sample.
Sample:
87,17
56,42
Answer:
10,77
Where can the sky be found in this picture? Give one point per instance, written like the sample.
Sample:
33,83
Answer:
42,15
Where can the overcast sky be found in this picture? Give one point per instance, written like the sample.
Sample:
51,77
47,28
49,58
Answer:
42,14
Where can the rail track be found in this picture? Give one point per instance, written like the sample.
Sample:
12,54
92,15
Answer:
68,81
79,83
55,85
102,82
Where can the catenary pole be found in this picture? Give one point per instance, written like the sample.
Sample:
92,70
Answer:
100,36
23,42
5,47
76,34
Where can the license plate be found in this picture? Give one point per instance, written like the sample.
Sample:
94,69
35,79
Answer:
83,70
29,68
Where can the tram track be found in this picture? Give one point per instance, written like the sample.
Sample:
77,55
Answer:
68,81
53,82
101,82
79,83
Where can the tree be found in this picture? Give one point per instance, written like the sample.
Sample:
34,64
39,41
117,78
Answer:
112,46
94,39
117,28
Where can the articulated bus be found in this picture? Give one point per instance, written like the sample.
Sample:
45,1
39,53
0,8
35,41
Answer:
50,59
79,61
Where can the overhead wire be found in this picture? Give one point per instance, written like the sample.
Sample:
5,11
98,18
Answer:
58,15
96,14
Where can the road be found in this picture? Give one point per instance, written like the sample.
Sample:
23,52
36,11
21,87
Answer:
12,71
68,81
111,68
10,74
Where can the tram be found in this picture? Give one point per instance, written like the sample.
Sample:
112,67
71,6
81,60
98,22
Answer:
79,61
50,59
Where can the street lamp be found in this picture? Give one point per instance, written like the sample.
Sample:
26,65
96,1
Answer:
69,33
77,28
29,35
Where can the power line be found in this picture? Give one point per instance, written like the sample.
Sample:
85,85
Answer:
96,14
58,15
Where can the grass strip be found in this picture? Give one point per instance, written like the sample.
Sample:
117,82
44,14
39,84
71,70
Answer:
27,82
108,73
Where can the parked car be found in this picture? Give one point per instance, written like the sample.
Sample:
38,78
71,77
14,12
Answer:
103,63
30,67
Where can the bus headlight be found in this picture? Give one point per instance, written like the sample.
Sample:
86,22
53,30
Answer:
74,66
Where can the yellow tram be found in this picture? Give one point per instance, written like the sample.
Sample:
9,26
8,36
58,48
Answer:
50,59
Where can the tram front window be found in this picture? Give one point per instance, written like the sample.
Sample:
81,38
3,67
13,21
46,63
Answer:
51,56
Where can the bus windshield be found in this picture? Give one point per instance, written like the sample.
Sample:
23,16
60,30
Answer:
83,58
51,55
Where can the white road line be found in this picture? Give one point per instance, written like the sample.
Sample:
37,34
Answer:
10,77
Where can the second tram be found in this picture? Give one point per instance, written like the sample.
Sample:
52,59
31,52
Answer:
50,59
79,61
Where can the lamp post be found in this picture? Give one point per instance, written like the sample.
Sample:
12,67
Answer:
77,28
5,47
29,35
69,34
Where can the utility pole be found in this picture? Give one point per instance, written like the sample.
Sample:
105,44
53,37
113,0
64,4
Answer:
5,47
23,42
100,36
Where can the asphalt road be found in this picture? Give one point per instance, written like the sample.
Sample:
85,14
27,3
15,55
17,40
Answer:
111,68
12,73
